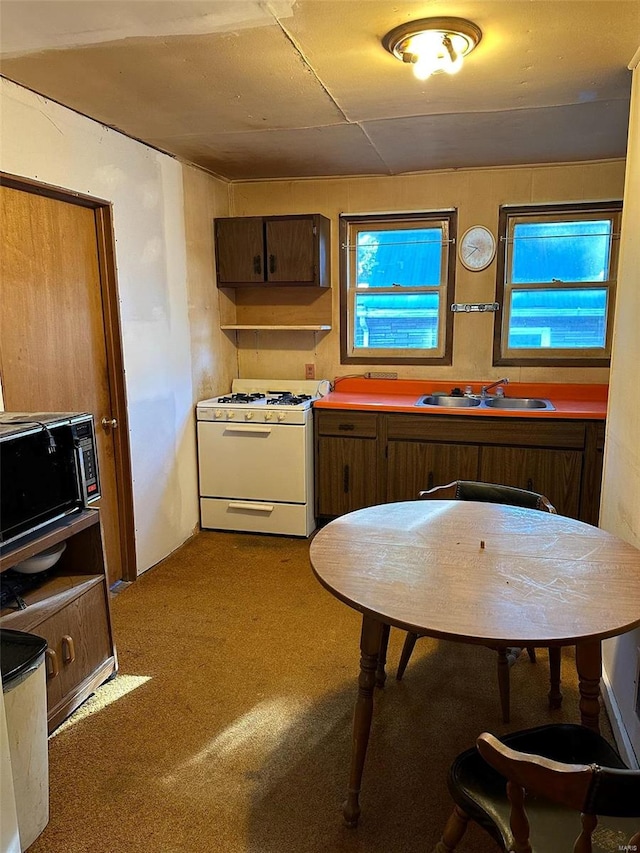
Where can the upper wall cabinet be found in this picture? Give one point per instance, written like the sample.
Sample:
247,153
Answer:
278,250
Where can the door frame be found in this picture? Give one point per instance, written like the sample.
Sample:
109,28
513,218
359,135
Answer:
105,248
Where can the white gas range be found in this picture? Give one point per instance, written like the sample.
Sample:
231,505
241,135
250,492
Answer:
255,456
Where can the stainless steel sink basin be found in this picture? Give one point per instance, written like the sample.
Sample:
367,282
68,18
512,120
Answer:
449,402
518,403
513,403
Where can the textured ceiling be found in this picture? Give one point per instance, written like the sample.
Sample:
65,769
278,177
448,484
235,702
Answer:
304,88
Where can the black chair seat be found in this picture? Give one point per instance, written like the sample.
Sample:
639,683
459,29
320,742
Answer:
480,791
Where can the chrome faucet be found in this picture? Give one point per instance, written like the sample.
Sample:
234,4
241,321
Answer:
486,388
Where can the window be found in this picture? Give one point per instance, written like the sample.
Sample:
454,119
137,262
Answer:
396,275
557,269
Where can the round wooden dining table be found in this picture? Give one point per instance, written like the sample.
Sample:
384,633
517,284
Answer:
480,573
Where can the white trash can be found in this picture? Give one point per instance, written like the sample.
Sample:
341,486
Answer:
25,704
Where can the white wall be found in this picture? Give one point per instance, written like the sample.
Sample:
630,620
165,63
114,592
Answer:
46,142
620,503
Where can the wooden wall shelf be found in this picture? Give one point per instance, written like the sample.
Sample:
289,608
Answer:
272,328
275,308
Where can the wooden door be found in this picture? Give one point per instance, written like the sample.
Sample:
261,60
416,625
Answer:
414,466
53,340
291,256
239,250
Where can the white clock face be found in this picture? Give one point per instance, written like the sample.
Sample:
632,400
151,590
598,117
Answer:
477,248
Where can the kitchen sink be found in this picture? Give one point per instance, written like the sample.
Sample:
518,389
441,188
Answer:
449,402
513,403
518,403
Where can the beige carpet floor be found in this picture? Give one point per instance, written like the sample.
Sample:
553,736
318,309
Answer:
228,726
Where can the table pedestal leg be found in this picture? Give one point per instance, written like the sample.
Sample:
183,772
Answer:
369,649
589,666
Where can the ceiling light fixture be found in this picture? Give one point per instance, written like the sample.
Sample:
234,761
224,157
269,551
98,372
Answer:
432,45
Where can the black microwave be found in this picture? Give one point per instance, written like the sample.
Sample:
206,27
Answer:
48,469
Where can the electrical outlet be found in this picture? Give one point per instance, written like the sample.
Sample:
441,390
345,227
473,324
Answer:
309,371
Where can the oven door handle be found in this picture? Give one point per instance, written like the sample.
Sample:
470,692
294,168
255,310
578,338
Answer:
251,506
263,430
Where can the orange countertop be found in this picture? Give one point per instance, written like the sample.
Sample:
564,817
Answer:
587,402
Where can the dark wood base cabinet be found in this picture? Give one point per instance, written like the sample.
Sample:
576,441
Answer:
346,462
364,458
70,610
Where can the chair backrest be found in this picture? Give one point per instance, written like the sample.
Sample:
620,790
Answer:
589,789
468,490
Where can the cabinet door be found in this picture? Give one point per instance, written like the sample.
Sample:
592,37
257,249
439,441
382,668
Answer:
414,466
291,251
240,250
346,474
79,642
553,473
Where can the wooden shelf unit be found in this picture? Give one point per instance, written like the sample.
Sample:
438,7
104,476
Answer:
69,609
273,273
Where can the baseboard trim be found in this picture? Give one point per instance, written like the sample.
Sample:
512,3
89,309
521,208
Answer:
623,742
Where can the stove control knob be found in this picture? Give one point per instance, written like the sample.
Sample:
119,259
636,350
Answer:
248,416
268,416
230,416
217,413
280,416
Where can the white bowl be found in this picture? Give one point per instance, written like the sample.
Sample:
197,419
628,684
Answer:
42,561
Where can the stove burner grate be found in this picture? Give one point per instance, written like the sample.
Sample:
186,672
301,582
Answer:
241,398
287,399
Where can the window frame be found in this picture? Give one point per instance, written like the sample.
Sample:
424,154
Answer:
446,289
510,215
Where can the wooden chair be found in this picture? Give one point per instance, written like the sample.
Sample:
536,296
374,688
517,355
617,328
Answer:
570,775
467,490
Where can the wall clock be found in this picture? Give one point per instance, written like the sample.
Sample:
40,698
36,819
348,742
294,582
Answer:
477,248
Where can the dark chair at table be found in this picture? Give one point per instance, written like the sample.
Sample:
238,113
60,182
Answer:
580,796
467,490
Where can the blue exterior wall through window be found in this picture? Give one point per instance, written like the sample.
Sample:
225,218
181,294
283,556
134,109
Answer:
397,274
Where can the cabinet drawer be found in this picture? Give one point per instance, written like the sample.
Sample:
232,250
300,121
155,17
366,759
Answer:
429,428
509,431
257,517
521,432
343,423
